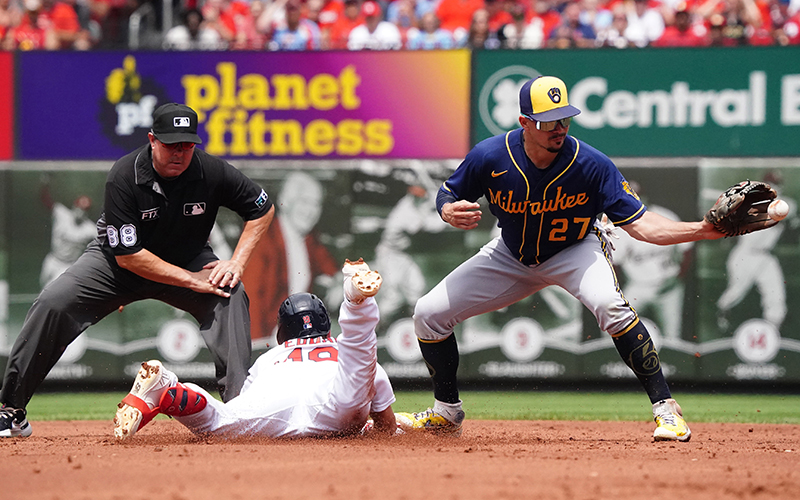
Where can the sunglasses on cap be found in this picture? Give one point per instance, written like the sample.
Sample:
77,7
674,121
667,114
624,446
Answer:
550,126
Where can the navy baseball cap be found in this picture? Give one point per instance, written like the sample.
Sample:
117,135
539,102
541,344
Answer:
544,99
173,123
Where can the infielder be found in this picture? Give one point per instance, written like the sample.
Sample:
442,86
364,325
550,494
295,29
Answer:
547,190
309,385
161,202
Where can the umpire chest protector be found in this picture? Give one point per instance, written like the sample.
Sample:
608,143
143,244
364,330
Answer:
172,218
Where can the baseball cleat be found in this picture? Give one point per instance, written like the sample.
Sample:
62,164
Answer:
670,425
359,281
432,422
142,403
13,423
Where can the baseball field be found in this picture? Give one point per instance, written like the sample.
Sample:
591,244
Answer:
543,445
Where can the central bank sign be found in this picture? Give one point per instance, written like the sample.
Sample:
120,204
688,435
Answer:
646,107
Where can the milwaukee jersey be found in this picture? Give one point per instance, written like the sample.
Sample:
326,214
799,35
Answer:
543,211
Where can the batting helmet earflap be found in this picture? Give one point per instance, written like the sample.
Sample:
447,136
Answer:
302,316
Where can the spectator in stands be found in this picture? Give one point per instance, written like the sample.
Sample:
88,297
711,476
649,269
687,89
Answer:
645,23
500,13
430,35
234,22
740,17
112,17
456,15
614,34
479,36
791,29
374,34
10,16
350,18
325,13
405,19
31,33
192,34
519,34
295,32
595,14
544,12
684,32
571,32
63,19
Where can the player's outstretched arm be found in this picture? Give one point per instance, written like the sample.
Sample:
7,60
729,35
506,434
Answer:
462,214
659,230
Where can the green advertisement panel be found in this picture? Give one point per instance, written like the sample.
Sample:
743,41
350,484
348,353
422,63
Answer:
655,102
721,311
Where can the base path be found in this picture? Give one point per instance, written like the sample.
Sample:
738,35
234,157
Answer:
540,460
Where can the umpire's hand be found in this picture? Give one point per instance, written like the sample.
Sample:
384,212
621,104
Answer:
462,214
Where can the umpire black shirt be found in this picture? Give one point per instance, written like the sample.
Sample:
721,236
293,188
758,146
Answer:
172,218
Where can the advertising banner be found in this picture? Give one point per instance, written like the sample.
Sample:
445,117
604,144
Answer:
6,105
720,311
655,102
255,105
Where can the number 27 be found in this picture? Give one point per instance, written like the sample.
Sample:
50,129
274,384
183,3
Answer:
560,227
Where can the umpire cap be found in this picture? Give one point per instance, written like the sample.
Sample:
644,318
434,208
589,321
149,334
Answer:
302,316
173,123
544,99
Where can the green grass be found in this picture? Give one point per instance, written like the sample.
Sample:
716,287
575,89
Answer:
533,405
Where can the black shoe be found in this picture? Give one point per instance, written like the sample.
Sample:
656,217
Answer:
13,423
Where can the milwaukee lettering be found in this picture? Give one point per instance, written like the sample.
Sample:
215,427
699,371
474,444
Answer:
236,112
561,201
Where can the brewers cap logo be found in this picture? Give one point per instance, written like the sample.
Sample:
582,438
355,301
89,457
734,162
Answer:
181,121
554,94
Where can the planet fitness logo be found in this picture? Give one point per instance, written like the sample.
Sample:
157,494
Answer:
498,101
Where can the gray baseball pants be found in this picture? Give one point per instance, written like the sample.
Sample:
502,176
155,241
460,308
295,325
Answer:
95,286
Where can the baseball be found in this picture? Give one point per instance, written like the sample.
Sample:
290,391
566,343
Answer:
778,209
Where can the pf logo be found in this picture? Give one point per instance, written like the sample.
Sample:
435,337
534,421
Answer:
554,94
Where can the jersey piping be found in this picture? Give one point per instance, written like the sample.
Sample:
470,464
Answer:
527,195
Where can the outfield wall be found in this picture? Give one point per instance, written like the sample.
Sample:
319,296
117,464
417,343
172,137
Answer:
367,134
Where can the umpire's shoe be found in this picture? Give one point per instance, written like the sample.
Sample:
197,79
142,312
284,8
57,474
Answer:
13,423
670,425
142,403
442,419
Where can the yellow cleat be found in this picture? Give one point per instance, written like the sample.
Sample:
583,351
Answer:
430,421
670,425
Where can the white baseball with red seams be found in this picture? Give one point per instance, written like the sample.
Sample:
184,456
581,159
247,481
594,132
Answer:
778,210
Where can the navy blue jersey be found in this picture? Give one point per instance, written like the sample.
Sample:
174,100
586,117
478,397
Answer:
543,211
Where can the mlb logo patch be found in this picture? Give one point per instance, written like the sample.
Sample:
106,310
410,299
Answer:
198,208
262,198
307,322
181,121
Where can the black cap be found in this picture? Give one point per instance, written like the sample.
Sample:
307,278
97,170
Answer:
173,123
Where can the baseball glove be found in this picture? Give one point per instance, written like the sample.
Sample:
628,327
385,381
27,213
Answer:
742,208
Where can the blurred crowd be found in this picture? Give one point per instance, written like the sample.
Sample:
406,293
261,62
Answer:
393,24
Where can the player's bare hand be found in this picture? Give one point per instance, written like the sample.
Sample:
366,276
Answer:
462,214
224,273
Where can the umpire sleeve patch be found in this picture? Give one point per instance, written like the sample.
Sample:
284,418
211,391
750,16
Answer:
128,235
113,236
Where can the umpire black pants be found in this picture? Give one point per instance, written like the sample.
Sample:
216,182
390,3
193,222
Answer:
94,287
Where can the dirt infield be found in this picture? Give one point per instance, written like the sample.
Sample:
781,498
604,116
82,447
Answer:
493,460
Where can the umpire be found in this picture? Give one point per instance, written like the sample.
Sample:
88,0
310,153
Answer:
161,202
